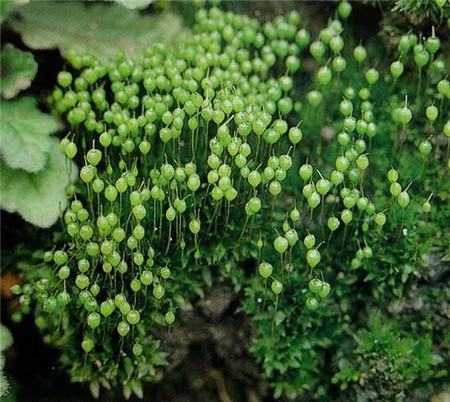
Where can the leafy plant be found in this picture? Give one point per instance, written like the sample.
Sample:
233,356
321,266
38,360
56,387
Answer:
310,172
32,165
47,25
385,362
18,70
39,197
26,139
32,180
421,9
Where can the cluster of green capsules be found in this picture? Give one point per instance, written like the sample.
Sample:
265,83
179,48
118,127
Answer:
186,146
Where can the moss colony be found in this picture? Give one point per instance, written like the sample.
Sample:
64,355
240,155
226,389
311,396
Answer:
320,163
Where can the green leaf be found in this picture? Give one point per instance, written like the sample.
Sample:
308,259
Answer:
134,4
38,197
98,29
24,134
18,70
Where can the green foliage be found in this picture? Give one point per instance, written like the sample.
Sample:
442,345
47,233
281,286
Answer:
18,70
385,361
34,173
421,9
25,133
41,196
309,172
99,30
